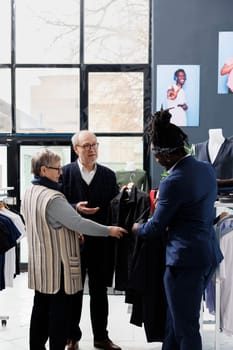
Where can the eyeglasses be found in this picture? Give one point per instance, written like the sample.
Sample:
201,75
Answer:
88,146
59,169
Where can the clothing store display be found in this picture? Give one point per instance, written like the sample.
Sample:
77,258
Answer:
13,234
223,162
143,286
224,277
12,230
129,206
216,139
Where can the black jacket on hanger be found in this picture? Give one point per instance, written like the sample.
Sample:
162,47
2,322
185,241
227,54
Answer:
127,208
146,290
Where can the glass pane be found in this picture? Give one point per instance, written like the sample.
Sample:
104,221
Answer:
116,31
26,153
3,167
121,153
47,31
5,31
116,102
47,100
5,101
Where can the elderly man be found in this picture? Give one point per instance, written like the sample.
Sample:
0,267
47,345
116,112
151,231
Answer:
90,187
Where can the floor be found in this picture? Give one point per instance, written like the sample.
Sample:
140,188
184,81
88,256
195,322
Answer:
16,303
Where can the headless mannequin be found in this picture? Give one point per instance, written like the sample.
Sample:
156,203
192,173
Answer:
216,139
218,150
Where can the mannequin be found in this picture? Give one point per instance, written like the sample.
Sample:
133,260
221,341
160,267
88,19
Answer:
216,140
218,150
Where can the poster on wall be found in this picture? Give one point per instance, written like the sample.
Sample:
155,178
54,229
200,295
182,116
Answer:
178,88
225,63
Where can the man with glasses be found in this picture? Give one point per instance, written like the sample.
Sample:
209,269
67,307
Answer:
90,187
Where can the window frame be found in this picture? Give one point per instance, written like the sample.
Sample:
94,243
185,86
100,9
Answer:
13,140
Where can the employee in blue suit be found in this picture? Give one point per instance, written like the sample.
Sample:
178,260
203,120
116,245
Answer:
185,210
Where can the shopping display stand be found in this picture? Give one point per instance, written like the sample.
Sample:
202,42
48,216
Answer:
3,197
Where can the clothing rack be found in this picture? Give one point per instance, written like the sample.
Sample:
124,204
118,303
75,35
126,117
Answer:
3,197
218,279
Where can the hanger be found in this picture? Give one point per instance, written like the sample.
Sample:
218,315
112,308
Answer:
131,182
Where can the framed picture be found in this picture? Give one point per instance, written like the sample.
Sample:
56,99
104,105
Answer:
178,88
225,63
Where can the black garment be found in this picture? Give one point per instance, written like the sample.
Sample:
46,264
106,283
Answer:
97,290
127,208
146,289
9,235
50,313
223,163
5,238
97,253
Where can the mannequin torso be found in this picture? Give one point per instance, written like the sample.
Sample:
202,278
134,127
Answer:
216,139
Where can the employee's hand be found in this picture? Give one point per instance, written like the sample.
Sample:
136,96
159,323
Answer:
80,238
115,231
82,208
135,227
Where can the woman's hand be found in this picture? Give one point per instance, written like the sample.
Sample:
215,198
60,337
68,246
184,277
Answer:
116,231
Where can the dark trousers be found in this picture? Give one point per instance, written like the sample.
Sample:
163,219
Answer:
184,289
49,317
93,263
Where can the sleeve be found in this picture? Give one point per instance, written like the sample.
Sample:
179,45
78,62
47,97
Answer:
60,213
166,209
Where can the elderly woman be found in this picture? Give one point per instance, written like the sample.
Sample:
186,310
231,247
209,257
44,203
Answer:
53,228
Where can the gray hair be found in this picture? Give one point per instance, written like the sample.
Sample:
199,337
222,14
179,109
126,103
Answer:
76,136
75,139
43,157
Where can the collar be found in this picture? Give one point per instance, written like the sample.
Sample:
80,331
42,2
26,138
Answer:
170,170
83,169
44,181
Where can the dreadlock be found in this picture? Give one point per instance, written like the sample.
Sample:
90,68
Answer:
163,135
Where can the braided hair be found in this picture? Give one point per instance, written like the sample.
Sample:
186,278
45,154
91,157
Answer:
163,135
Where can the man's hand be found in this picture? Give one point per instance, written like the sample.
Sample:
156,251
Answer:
82,208
135,227
115,231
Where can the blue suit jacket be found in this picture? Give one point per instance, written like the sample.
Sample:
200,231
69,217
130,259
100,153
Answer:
186,210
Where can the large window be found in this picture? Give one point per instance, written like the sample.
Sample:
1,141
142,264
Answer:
47,100
116,31
71,65
5,31
47,31
3,168
116,102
